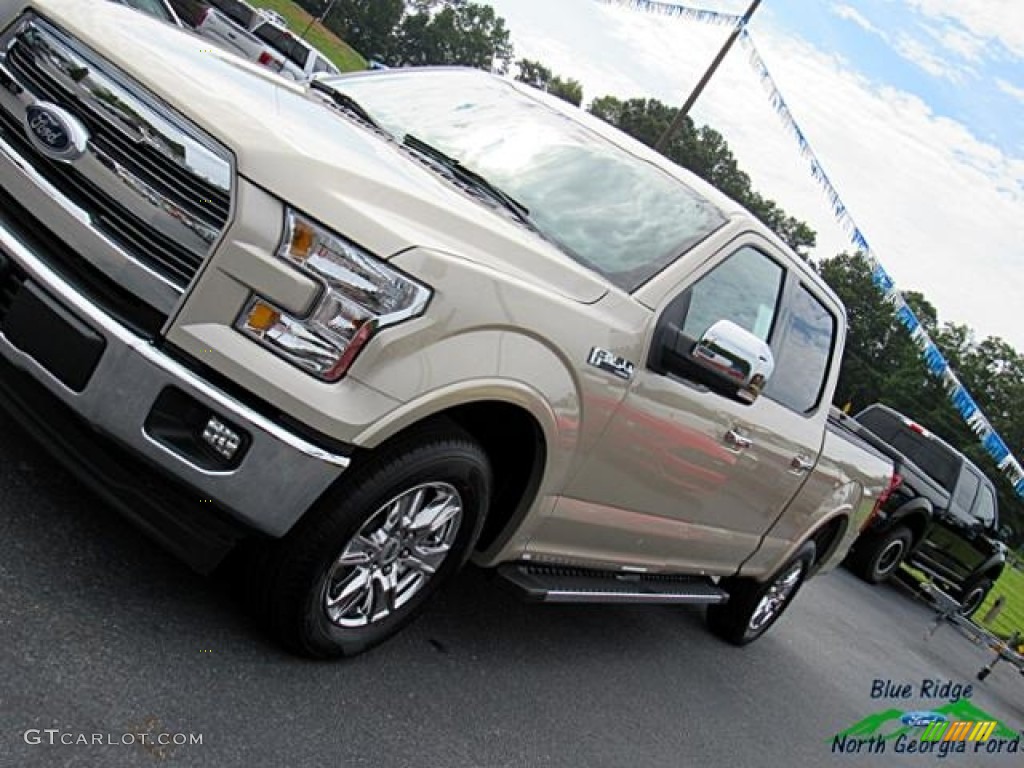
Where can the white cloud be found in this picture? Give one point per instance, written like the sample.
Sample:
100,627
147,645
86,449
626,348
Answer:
917,50
943,209
921,55
958,41
852,14
999,20
1010,89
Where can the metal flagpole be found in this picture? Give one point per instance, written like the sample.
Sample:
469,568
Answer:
321,17
677,121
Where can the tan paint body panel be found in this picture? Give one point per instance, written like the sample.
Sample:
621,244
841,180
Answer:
512,319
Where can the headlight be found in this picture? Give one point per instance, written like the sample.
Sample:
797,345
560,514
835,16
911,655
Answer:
361,294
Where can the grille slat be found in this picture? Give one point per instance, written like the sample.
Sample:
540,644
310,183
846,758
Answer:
141,184
187,189
173,261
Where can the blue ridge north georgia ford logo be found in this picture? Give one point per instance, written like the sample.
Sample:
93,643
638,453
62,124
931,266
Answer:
55,132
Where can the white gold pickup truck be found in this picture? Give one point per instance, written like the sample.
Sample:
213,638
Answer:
364,331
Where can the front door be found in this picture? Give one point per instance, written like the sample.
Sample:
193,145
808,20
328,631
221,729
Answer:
690,479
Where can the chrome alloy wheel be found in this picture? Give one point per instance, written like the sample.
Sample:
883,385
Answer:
776,597
393,556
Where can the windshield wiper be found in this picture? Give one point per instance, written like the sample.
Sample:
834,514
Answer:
463,174
345,102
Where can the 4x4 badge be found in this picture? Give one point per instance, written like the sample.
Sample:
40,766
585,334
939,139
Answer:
608,361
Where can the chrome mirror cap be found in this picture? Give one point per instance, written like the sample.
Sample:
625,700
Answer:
735,353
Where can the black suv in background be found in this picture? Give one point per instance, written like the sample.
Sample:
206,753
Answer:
941,519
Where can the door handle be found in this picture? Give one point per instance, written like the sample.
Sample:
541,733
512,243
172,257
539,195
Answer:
801,464
737,440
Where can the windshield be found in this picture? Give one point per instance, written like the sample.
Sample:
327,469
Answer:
617,214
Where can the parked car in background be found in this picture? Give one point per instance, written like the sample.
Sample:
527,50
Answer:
160,9
266,43
942,519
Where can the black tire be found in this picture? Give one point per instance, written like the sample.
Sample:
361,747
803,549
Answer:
740,621
973,595
876,558
301,570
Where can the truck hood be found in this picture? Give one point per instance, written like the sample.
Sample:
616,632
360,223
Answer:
332,168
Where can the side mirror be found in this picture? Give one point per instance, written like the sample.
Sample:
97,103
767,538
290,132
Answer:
727,359
738,355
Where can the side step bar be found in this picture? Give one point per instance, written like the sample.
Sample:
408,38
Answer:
558,584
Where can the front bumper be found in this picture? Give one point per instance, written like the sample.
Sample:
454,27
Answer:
281,473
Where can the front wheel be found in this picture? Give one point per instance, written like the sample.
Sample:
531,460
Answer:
362,565
754,606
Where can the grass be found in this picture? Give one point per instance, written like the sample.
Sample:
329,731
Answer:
1010,586
333,47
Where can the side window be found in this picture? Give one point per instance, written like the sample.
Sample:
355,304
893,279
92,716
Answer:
966,490
986,510
801,364
321,64
744,288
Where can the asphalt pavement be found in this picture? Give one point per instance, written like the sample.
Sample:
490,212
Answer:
104,638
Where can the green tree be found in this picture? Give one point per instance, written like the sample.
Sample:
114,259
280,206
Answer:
882,364
451,32
539,76
705,152
369,27
420,32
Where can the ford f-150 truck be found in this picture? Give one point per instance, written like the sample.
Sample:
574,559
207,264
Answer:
941,519
365,330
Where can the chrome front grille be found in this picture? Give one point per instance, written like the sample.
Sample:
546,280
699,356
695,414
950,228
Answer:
152,185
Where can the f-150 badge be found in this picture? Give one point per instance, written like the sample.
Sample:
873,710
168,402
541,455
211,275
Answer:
606,361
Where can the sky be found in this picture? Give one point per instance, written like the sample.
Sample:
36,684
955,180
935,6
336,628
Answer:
915,109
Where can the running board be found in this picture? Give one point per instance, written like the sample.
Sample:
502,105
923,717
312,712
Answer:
559,584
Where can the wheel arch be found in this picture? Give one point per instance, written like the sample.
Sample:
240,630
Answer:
528,444
915,515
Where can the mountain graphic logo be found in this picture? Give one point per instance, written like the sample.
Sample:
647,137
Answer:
889,724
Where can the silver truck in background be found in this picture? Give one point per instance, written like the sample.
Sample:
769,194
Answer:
246,32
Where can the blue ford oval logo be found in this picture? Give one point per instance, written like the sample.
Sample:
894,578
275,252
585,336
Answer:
55,132
916,719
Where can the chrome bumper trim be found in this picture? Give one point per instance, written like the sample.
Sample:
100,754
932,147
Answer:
281,475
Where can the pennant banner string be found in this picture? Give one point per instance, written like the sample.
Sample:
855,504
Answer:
934,360
681,11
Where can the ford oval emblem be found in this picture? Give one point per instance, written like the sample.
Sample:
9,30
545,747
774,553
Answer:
55,132
917,719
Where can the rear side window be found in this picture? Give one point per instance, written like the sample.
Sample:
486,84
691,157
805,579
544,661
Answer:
932,457
802,362
967,490
986,511
321,64
239,12
282,41
744,288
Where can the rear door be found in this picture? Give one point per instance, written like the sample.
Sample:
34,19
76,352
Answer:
690,479
957,542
